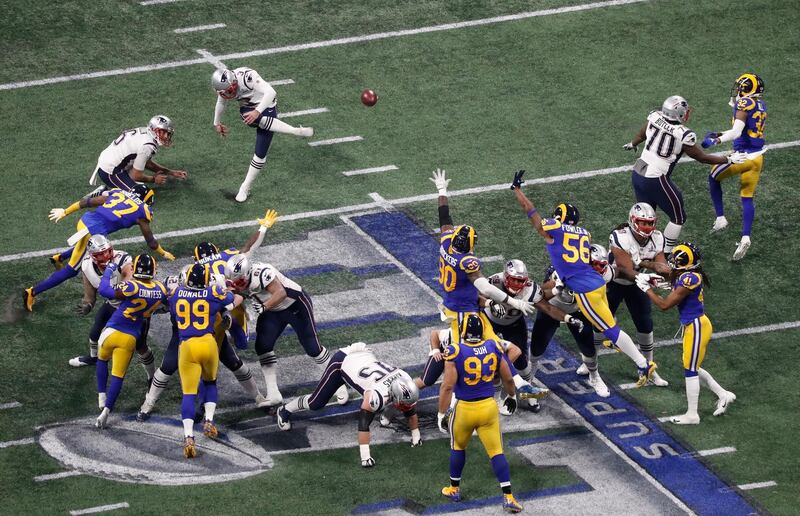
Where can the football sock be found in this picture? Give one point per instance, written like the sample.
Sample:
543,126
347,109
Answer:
148,361
113,391
526,372
256,164
188,426
522,364
671,234
626,345
55,279
323,356
92,348
187,408
277,126
160,380
715,189
646,343
748,213
297,404
591,362
268,366
501,471
101,371
457,460
246,380
534,363
692,392
598,338
707,380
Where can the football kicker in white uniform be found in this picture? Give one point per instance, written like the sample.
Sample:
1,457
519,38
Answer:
122,163
380,384
258,107
667,138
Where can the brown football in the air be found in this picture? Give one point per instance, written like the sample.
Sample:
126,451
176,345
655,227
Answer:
369,98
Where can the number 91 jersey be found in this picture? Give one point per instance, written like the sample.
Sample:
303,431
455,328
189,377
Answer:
195,310
477,365
363,372
570,256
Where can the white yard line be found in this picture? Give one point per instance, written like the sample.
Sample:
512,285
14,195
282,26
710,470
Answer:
716,451
312,111
757,485
372,170
490,259
100,508
157,2
211,58
18,442
626,386
367,206
380,201
199,28
334,141
12,404
56,476
323,44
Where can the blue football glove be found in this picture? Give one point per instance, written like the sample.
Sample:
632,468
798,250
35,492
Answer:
710,140
518,181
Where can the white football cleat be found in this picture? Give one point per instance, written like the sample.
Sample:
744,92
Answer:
599,385
724,402
741,249
342,395
241,196
261,401
271,400
306,132
102,419
719,224
83,360
101,400
582,370
656,380
685,419
284,421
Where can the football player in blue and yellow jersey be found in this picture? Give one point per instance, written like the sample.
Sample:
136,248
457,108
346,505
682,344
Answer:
747,134
471,365
116,210
206,253
687,279
195,307
569,247
460,270
139,297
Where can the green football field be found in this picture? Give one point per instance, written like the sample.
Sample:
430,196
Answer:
480,89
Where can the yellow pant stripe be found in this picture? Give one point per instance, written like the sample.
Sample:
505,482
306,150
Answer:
749,174
696,336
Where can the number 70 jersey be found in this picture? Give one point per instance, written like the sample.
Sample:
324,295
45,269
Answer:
663,146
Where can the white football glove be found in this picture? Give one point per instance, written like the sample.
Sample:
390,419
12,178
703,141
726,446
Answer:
573,322
523,306
368,462
737,157
509,405
258,306
56,214
629,146
497,309
643,282
440,181
443,420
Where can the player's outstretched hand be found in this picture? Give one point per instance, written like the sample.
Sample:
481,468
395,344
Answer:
629,147
443,420
221,130
518,181
160,179
56,214
523,306
440,180
574,322
83,308
269,219
368,462
737,157
710,140
179,174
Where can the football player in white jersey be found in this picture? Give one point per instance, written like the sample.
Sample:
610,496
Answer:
667,139
279,302
637,246
380,384
258,107
509,323
122,163
100,253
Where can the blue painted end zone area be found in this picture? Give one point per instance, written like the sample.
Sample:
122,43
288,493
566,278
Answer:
626,425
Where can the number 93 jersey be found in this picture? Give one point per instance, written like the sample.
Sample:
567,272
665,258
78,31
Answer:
195,310
460,295
142,298
477,365
363,372
664,144
121,210
570,256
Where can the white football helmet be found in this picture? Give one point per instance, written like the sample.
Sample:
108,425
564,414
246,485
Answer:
676,109
515,276
237,271
225,83
100,250
404,392
642,219
161,127
599,258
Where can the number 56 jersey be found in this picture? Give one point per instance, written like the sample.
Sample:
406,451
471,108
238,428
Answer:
363,371
570,256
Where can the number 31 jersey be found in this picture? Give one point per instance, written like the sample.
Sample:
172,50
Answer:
664,144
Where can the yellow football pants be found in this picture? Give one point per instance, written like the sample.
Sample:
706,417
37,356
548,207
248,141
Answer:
79,249
118,347
197,357
239,316
481,415
749,173
457,318
594,306
696,335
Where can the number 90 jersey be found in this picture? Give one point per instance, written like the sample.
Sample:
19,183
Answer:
477,365
121,210
460,295
664,144
195,310
570,255
363,372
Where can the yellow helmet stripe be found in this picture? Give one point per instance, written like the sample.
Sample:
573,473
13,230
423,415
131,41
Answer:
753,81
563,209
205,274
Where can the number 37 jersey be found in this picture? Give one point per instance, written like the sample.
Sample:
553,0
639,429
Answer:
664,144
477,365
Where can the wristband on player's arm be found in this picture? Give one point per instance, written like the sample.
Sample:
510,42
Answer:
444,216
72,208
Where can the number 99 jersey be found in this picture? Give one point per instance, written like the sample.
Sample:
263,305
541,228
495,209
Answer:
477,365
570,255
460,295
196,310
